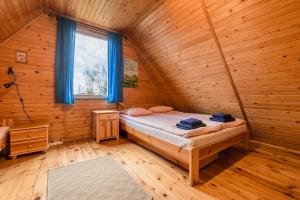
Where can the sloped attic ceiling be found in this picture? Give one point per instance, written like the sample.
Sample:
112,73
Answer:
260,42
16,14
110,14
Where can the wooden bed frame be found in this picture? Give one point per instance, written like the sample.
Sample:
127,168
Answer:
4,141
189,158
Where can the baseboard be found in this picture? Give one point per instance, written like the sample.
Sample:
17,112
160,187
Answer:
56,143
273,146
70,139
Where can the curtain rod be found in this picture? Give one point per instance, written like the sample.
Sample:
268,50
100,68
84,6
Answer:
84,22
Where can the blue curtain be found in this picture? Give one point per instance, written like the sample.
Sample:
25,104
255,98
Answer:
115,68
65,46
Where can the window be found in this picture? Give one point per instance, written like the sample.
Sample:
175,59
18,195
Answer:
90,64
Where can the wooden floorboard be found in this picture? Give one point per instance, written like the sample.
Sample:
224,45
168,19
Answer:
260,174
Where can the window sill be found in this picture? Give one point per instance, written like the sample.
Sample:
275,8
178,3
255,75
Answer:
87,97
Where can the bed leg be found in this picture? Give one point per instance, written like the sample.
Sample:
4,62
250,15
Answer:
193,166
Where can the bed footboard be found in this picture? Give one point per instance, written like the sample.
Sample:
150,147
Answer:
192,159
200,154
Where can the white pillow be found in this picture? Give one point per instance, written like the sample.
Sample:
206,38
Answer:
124,111
161,109
135,112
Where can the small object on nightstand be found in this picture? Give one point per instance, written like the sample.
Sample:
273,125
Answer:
28,139
105,124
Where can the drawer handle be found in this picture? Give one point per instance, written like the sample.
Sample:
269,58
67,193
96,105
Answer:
29,146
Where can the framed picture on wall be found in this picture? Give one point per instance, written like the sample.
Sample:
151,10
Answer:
131,73
21,56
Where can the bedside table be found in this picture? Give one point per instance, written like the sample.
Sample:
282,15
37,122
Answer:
28,138
105,125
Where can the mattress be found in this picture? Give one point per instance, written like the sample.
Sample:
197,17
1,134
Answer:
167,122
178,140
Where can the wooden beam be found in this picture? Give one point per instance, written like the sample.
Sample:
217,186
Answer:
221,53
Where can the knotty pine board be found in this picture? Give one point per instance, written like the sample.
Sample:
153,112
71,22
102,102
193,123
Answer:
260,42
230,177
16,14
115,15
184,62
36,83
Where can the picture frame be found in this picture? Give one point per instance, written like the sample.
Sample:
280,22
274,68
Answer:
131,73
21,56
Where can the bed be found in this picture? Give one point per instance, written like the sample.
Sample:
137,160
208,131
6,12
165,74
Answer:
3,137
158,133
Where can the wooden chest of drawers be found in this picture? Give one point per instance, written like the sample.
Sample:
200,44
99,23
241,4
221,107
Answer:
105,125
28,139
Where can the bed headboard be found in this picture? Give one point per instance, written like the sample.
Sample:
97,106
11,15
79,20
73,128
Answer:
120,106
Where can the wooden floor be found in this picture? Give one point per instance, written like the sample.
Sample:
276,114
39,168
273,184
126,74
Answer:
260,174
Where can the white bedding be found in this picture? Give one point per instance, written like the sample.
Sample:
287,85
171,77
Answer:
168,119
167,122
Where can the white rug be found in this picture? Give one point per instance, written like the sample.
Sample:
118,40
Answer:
99,179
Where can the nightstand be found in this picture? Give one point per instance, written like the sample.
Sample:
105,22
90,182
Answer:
28,138
105,125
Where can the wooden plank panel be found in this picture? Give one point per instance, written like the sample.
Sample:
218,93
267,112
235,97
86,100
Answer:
276,178
182,58
36,84
260,40
114,14
16,14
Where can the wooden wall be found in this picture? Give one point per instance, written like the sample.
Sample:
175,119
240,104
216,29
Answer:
183,60
36,83
260,42
146,95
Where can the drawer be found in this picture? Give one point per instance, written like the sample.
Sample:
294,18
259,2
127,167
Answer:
27,147
109,116
29,134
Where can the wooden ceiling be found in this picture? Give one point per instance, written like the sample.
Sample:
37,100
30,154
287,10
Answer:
16,14
260,43
116,15
112,14
259,40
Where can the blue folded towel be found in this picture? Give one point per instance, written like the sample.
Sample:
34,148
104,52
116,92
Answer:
189,127
191,121
218,119
222,116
